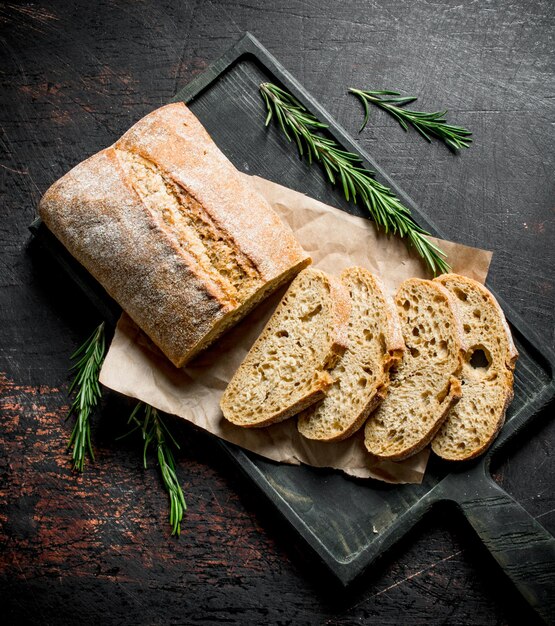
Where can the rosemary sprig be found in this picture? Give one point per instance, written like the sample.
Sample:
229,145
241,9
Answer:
88,360
427,124
347,169
89,357
147,419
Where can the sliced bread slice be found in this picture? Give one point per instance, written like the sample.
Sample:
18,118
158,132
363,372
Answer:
362,375
286,369
424,386
487,375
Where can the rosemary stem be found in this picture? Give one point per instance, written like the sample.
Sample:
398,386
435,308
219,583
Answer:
428,125
153,431
347,169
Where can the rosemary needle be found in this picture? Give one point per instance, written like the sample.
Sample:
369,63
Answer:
347,169
88,360
427,124
154,431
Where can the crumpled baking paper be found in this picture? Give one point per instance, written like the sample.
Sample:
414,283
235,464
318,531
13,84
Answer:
335,240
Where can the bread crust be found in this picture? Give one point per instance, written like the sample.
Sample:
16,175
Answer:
97,213
174,139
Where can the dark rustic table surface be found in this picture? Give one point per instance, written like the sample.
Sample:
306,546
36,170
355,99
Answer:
74,75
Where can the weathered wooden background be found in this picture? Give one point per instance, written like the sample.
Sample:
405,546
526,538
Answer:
76,74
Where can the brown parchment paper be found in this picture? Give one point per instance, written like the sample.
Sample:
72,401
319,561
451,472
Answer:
335,240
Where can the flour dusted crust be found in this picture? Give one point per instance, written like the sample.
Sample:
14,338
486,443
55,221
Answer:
172,231
176,141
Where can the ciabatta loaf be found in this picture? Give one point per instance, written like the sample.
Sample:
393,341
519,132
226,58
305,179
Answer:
287,368
425,385
361,377
172,231
487,375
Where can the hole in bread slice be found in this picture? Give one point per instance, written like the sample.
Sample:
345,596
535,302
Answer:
480,359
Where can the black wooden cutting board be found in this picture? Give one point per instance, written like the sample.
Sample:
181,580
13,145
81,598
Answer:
346,522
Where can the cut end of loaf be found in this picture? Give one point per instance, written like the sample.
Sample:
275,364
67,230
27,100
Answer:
234,316
173,232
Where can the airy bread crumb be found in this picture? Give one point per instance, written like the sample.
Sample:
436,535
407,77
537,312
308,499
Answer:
286,369
361,377
425,385
487,374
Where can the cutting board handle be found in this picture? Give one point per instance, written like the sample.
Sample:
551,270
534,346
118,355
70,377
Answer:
521,546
